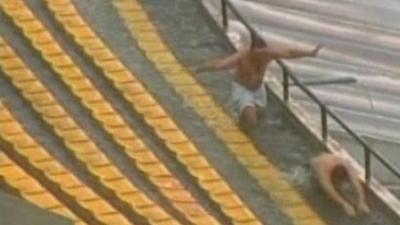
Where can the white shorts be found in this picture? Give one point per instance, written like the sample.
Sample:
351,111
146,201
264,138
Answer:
242,97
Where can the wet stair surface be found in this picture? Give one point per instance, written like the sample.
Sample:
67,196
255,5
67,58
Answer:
102,123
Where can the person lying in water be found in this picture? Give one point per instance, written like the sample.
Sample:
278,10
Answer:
333,172
250,63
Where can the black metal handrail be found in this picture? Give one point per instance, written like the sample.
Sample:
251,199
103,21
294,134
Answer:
324,110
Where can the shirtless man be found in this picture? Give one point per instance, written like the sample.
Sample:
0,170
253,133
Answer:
332,172
248,92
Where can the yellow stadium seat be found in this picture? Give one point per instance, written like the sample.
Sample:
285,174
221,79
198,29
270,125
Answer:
51,49
191,90
120,185
32,26
150,45
138,16
74,135
131,88
287,197
233,136
197,212
133,144
62,123
22,141
41,38
166,182
115,219
82,32
137,199
160,57
155,213
149,36
11,64
74,21
41,99
53,111
12,172
145,26
129,6
154,111
118,76
44,200
65,10
111,120
96,159
217,187
60,60
50,167
101,108
113,66
59,2
31,87
66,180
144,157
196,161
98,206
172,136
35,153
205,175
90,96
106,172
121,132
183,149
163,123
86,147
69,73
240,214
21,75
6,52
253,161
154,169
82,193
102,54
228,200
82,84
10,128
27,185
178,195
92,44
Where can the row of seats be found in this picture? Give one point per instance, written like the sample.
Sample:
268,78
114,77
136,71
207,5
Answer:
64,126
31,190
267,175
121,77
25,145
143,102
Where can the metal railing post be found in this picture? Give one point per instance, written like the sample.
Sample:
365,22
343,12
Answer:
324,123
224,14
367,157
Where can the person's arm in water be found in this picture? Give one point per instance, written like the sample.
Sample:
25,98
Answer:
324,177
228,62
290,53
361,203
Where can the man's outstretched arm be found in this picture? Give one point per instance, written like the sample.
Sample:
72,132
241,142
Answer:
290,53
220,64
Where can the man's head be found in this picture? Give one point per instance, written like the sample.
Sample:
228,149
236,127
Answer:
257,42
339,175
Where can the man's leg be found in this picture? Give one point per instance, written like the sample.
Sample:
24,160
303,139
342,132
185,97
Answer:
248,117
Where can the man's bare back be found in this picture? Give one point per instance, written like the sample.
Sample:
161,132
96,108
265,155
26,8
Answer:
250,64
331,171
